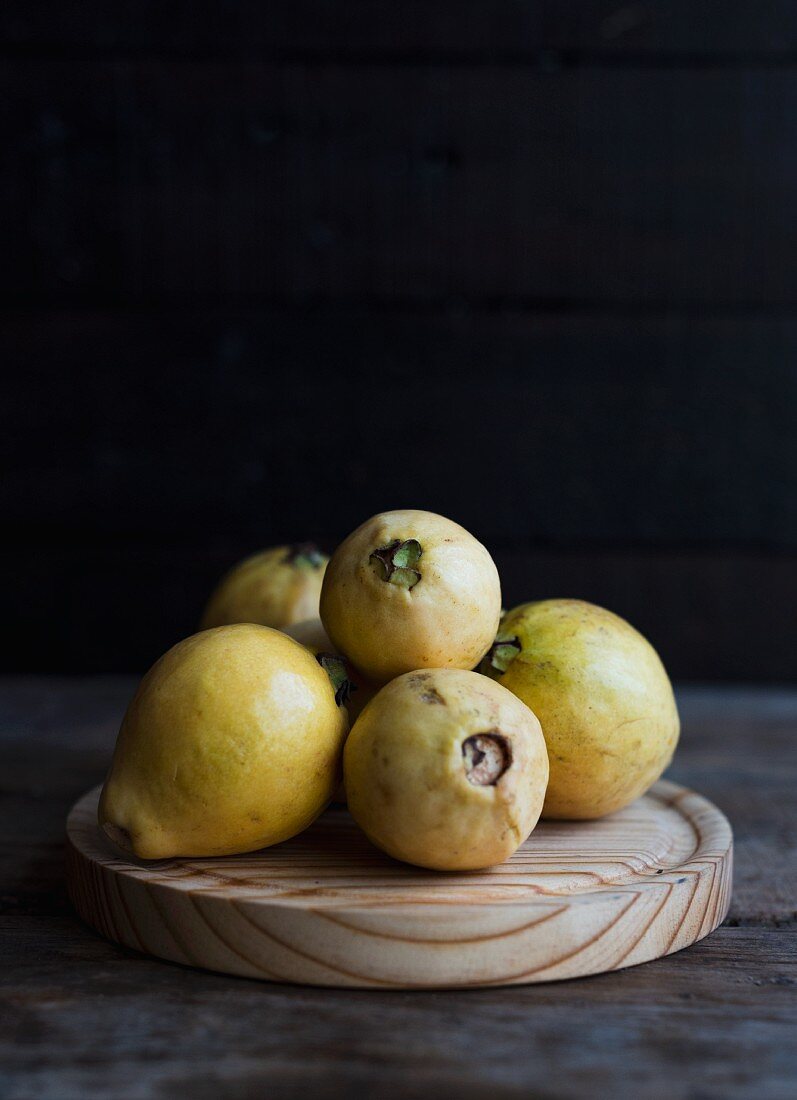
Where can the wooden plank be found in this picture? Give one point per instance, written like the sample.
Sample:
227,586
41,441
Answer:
326,908
81,1017
737,746
141,180
93,1021
449,29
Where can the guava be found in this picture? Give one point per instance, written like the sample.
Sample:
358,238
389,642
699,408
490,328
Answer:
602,696
232,742
274,587
408,590
446,769
354,691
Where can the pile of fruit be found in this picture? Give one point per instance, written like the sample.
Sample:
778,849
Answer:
361,668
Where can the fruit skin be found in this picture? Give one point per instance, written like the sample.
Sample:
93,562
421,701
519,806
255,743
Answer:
232,742
274,587
604,700
447,620
405,771
312,635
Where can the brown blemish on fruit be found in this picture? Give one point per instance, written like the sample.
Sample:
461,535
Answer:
486,757
426,694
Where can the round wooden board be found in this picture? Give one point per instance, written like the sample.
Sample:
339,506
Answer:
326,908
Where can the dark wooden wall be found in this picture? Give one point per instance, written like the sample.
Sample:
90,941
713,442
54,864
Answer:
272,267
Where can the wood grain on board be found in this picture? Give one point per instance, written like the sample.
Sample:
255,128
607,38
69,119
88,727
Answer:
326,908
81,1016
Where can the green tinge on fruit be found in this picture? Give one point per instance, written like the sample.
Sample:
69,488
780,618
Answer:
305,555
502,652
410,589
398,560
602,696
338,673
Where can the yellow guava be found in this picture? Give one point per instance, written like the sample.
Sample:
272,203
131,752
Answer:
232,742
275,587
602,696
446,769
409,590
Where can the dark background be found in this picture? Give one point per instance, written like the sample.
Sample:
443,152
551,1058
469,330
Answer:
272,267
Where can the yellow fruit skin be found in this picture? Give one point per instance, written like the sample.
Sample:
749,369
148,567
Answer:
405,776
312,635
447,620
232,742
266,588
603,698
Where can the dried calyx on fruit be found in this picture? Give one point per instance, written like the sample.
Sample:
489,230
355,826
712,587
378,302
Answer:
503,651
338,673
486,757
398,560
305,555
455,786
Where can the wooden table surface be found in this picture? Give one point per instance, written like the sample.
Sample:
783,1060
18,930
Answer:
80,1017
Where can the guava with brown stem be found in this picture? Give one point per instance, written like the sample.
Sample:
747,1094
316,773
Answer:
603,698
232,742
407,590
275,587
446,769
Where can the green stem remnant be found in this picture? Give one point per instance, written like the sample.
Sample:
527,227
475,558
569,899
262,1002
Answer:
305,555
398,560
486,757
335,668
503,652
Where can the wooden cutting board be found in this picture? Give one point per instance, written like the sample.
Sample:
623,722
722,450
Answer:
326,908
